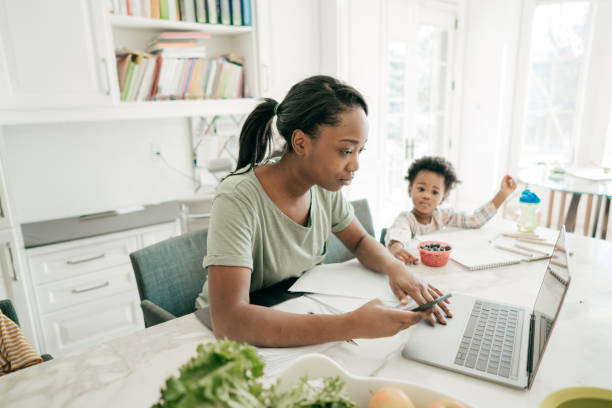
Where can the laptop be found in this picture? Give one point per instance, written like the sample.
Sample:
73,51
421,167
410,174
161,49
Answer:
498,342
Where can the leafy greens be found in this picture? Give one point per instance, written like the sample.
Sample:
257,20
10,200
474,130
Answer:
228,374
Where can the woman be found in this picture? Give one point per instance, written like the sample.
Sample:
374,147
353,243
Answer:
271,219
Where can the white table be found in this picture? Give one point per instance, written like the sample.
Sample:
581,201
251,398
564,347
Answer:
129,371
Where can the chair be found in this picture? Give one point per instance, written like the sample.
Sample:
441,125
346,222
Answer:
6,306
170,275
336,251
570,218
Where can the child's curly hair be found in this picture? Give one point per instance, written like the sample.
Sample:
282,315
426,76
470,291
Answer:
437,165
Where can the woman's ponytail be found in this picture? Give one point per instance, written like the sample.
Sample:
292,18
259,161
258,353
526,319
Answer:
256,135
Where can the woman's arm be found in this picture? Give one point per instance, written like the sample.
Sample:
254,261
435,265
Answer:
233,317
374,256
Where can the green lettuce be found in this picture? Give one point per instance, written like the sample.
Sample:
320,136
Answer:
228,374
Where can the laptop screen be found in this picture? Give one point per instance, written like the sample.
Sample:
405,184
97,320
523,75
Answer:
550,297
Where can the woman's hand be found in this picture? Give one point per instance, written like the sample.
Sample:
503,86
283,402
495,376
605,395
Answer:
376,319
397,249
405,283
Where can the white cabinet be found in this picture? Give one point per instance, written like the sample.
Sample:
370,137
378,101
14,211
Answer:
5,220
288,52
85,291
54,54
58,64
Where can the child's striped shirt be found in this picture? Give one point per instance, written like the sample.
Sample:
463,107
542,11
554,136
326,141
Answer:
15,350
405,227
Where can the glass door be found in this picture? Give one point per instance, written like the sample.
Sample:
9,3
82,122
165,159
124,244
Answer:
419,88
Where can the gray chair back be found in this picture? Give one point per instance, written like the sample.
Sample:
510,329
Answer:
170,273
336,251
8,310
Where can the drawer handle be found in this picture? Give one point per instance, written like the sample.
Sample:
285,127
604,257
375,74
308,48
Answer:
78,261
102,285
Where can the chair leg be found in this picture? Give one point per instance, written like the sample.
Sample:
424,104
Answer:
587,219
551,200
604,226
562,209
596,219
570,218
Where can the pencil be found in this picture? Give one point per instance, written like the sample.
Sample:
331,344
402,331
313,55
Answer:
537,251
516,251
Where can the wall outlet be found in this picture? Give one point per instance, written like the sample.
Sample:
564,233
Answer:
156,148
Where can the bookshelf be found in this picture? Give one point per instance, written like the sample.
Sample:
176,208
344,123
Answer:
82,85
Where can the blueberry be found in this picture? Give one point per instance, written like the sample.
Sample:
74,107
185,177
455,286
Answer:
447,248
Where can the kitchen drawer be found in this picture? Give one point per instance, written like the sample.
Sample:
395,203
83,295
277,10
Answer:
75,261
91,323
83,288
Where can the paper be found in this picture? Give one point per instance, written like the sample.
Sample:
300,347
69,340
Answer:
350,279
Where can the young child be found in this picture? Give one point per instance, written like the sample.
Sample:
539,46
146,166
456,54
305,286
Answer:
431,179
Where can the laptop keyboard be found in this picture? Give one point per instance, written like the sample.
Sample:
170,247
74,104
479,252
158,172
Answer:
492,334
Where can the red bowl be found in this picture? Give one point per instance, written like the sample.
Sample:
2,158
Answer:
431,258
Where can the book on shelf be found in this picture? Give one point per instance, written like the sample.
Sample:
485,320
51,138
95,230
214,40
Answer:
155,12
212,11
225,10
236,12
128,80
160,45
182,35
173,14
123,62
177,74
163,9
247,14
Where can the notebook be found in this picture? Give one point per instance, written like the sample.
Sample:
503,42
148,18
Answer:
474,252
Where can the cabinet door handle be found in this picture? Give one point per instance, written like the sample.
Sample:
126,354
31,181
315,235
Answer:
102,285
1,209
12,261
78,261
106,77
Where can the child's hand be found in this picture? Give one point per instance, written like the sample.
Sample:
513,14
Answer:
508,185
398,251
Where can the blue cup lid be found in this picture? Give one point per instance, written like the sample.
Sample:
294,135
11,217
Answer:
527,196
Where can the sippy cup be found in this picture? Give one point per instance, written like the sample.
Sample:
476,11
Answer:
529,205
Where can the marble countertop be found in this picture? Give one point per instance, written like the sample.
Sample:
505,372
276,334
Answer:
130,371
41,233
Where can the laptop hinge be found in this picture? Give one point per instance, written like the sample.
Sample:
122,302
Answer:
530,351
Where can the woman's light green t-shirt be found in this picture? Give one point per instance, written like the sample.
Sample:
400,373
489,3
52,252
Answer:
247,229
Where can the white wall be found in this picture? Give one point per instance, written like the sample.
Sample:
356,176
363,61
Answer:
598,97
64,170
492,37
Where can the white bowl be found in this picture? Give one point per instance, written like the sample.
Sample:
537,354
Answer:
360,389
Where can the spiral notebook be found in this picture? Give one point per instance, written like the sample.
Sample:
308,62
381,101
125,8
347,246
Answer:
474,251
488,258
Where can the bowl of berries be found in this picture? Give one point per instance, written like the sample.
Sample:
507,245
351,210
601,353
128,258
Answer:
434,253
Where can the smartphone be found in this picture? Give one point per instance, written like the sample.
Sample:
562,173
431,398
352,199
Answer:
427,305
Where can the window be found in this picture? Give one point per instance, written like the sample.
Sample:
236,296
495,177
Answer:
556,59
